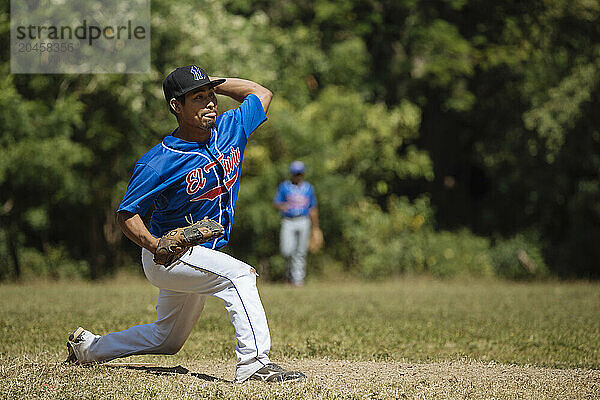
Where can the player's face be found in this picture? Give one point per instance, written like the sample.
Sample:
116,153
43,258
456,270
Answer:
297,178
200,109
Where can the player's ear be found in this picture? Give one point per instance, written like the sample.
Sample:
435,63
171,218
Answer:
175,105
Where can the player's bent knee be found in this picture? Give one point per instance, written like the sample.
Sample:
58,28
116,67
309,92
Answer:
170,348
168,345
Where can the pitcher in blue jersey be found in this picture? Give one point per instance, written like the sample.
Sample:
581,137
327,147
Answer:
297,204
193,173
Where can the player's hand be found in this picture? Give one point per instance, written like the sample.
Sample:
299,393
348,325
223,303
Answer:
174,243
283,207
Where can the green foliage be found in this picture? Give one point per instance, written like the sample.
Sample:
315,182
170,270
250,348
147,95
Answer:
358,149
560,109
440,53
383,244
382,100
461,254
53,263
518,258
348,62
402,240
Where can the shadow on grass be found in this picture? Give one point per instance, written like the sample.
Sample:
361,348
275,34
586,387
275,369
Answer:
158,370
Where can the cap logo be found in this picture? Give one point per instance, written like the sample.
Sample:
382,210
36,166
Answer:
198,75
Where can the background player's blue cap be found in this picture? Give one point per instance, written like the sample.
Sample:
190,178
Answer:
184,79
296,167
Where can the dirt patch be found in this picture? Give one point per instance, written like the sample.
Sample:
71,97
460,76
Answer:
465,379
161,378
25,377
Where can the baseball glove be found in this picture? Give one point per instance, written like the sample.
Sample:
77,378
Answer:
175,242
315,242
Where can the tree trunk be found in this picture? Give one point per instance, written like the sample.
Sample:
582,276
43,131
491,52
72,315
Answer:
14,254
94,247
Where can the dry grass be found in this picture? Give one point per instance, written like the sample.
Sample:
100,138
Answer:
327,379
416,339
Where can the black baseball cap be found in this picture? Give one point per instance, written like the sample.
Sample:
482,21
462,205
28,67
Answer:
184,79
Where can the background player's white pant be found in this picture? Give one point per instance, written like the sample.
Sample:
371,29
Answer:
293,241
183,287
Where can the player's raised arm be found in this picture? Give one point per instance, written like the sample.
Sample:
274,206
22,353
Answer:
238,89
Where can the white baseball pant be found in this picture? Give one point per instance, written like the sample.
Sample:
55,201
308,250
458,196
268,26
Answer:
293,243
183,288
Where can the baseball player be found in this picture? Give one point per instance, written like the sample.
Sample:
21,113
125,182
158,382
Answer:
297,204
192,175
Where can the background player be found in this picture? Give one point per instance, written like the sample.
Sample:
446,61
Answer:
297,204
193,173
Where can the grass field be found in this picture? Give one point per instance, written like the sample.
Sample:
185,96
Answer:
412,338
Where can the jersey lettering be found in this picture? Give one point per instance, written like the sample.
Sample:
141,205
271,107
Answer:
229,163
212,194
195,181
297,200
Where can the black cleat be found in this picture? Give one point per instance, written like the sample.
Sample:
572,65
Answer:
274,373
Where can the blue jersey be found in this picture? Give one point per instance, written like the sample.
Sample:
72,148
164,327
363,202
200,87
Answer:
187,181
299,198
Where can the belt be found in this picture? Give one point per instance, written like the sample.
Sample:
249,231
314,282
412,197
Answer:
297,216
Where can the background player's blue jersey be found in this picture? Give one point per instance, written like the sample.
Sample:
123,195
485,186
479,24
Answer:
299,198
187,181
